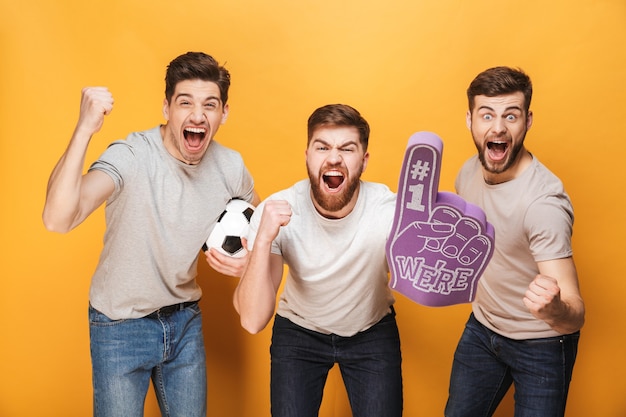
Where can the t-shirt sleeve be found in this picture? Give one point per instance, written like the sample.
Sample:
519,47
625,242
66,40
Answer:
118,161
246,185
549,223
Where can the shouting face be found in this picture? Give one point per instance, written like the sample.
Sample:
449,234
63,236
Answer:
499,125
193,117
335,159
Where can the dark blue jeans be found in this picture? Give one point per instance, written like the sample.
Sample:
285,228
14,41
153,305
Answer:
486,364
370,365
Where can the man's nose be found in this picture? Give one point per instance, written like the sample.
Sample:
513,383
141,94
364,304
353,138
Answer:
334,156
197,114
499,125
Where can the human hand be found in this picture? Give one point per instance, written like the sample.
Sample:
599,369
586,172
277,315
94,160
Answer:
95,103
543,298
439,244
225,264
276,213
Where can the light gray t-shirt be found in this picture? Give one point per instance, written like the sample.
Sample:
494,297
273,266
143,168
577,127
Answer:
533,218
158,217
337,280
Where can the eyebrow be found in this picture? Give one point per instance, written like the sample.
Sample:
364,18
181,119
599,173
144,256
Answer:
505,110
187,95
342,145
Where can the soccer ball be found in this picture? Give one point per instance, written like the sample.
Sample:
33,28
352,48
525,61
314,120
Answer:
232,225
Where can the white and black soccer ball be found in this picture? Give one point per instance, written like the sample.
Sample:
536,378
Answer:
232,225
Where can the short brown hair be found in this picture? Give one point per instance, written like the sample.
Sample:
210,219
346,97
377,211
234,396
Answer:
339,115
196,66
497,81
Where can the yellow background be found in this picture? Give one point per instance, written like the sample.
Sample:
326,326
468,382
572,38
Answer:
404,64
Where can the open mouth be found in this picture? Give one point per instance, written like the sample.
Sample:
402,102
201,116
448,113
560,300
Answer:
497,149
333,179
194,136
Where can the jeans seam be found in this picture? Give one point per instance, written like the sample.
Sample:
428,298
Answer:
160,390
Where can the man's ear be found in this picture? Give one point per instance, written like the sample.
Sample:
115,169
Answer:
166,109
225,114
366,158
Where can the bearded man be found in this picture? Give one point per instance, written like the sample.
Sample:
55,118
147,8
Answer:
336,306
526,319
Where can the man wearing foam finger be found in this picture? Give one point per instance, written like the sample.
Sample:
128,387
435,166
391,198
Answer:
525,321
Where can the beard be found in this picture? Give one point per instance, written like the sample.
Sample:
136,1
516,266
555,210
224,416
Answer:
501,166
334,202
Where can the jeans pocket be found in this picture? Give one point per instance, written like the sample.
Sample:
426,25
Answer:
97,318
195,308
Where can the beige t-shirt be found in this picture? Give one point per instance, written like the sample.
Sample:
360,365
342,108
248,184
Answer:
533,218
337,280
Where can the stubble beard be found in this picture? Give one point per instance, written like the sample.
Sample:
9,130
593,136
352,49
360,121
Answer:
499,168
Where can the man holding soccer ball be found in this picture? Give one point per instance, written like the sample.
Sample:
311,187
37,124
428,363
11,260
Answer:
164,189
336,307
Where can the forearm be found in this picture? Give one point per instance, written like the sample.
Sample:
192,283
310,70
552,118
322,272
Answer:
571,318
255,296
71,197
554,296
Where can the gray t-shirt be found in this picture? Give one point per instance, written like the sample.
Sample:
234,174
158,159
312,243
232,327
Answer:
338,275
158,217
533,218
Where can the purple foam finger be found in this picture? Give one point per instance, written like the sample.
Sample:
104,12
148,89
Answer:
439,244
419,169
474,250
477,213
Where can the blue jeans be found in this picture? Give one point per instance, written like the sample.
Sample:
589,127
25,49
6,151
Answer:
370,364
167,348
486,364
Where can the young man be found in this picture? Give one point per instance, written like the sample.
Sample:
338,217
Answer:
336,307
164,190
528,311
